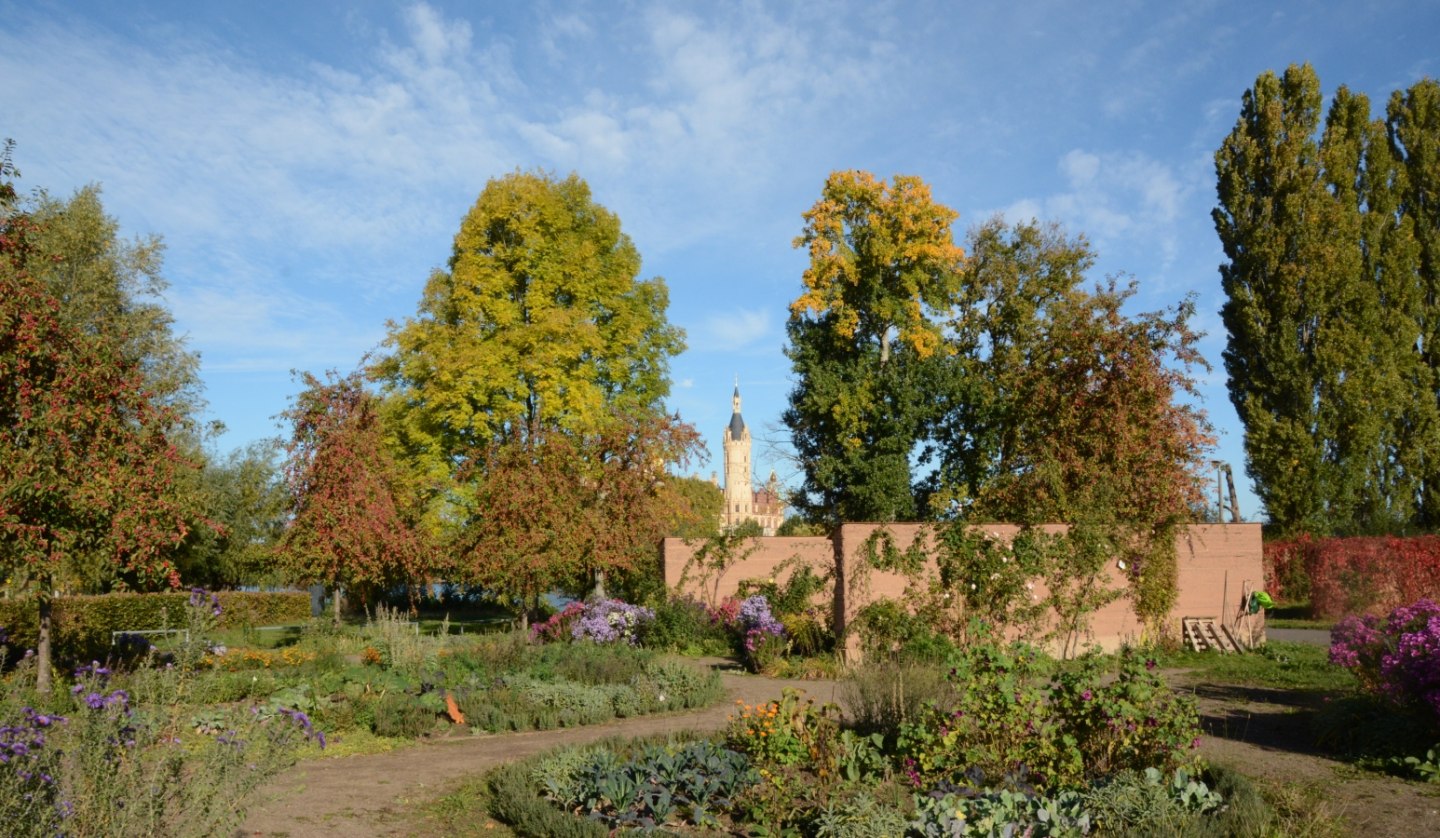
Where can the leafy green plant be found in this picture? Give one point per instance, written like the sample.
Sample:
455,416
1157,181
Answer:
1133,721
683,624
1004,719
1149,802
1426,768
402,716
999,812
655,785
888,631
1001,721
859,756
859,816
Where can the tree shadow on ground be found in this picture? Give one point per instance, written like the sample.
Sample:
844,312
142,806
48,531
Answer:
1280,720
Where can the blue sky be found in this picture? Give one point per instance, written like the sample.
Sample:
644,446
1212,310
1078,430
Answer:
308,163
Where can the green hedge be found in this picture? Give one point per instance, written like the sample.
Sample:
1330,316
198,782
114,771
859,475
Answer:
82,624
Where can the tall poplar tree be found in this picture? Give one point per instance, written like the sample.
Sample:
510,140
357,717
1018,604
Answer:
865,336
1328,309
1413,129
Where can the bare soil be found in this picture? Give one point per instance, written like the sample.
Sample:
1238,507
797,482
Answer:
1260,732
1269,734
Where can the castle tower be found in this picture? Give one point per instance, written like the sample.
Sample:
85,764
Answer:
739,494
743,502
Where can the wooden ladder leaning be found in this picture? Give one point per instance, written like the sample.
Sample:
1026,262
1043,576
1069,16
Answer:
1203,635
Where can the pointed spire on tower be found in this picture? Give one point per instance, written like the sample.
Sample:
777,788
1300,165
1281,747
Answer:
737,424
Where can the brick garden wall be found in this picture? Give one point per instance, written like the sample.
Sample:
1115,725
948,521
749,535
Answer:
1218,566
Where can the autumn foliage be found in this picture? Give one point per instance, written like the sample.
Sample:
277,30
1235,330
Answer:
353,525
86,470
1344,576
553,509
84,462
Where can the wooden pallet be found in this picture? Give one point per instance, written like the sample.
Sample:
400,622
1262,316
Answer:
1203,635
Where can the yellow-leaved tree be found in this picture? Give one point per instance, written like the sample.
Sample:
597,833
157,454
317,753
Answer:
865,336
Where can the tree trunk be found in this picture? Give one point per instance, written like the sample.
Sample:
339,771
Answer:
338,596
42,652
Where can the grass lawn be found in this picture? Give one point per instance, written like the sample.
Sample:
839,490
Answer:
1291,666
1298,623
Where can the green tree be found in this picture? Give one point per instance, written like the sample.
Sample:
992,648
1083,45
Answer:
245,498
1327,307
1060,407
1370,366
1014,276
1413,130
110,285
864,336
1278,284
698,506
539,322
797,526
85,465
351,525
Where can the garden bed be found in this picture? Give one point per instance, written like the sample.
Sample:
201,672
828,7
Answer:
186,709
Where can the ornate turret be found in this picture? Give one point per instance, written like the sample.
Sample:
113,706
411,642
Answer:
737,422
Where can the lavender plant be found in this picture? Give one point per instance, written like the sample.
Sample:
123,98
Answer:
755,615
30,797
128,769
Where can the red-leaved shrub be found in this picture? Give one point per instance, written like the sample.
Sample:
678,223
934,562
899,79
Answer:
1354,575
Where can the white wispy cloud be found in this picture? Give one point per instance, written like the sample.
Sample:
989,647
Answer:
736,330
1113,196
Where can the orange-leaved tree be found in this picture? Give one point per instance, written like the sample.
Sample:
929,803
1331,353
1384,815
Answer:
557,511
353,525
866,334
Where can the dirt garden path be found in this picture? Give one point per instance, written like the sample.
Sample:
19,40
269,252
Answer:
1259,732
360,795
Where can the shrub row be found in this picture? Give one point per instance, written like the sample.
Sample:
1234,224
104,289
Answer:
82,624
1340,576
521,702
